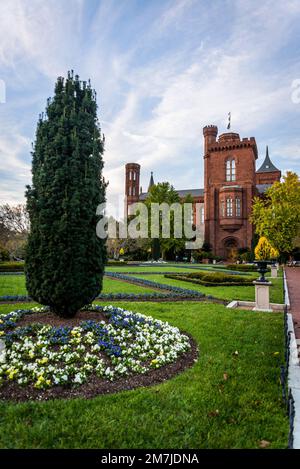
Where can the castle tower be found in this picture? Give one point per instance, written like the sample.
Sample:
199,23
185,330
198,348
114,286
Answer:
229,187
132,184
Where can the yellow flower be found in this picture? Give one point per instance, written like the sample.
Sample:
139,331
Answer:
1,333
154,362
11,372
43,360
42,382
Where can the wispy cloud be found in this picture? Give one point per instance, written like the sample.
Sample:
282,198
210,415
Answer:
162,70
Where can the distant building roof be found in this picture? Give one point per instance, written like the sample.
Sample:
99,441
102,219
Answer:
263,187
192,192
181,193
267,166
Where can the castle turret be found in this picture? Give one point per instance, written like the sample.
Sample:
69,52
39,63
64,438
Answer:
132,183
210,133
267,173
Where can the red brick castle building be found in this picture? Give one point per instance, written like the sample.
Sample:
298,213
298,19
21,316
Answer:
230,183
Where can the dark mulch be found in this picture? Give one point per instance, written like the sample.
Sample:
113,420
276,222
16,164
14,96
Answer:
54,320
95,386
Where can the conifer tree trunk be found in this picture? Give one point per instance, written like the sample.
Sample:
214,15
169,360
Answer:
65,259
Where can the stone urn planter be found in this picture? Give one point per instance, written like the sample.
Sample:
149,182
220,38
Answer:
262,287
262,268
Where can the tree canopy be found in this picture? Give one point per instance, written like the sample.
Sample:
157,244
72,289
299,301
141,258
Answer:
277,215
159,193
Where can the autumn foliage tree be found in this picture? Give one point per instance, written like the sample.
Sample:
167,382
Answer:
277,215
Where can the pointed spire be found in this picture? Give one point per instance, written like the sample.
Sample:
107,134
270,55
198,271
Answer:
267,166
151,182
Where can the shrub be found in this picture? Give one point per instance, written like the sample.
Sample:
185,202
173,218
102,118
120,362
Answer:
12,267
198,255
264,250
242,267
244,254
116,263
211,279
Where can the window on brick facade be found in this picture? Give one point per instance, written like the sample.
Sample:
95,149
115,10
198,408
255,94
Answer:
202,215
229,207
134,175
133,190
129,190
238,207
230,170
222,208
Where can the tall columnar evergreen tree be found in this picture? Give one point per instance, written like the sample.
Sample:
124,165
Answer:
65,258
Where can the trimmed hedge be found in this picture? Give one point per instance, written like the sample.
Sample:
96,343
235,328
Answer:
211,279
116,263
243,267
11,266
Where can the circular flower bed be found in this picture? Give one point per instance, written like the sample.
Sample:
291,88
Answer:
102,354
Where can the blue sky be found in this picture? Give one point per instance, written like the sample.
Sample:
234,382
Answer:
162,70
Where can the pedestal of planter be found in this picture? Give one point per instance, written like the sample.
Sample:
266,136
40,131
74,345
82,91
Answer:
262,296
273,271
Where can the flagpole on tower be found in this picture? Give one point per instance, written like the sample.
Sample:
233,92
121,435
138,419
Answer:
229,120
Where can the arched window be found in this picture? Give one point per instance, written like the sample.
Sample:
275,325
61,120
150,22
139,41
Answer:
133,190
237,207
229,207
230,170
129,190
134,175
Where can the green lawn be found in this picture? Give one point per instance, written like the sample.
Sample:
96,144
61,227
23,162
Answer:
226,400
15,285
246,293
